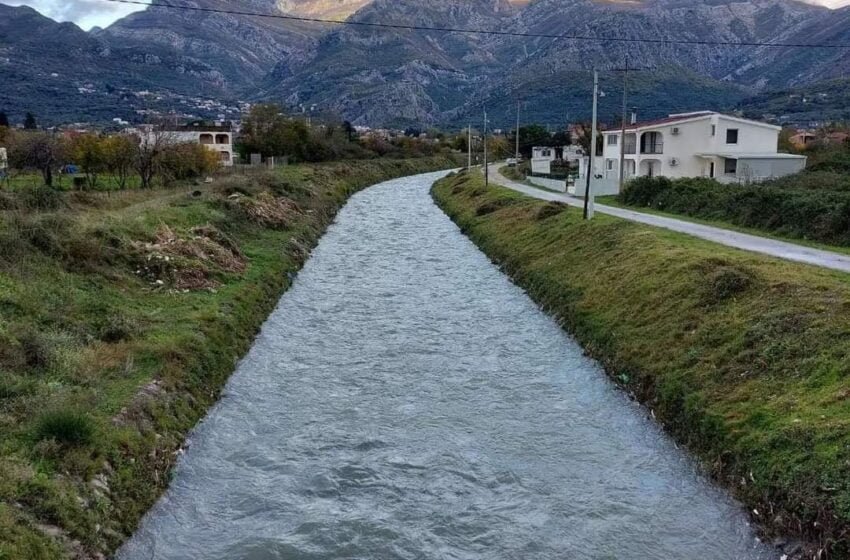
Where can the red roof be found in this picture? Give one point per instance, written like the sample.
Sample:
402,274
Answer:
667,120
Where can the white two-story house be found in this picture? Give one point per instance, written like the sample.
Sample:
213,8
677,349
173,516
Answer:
702,144
218,138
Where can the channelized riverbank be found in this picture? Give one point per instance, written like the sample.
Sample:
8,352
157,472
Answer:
743,358
121,317
406,401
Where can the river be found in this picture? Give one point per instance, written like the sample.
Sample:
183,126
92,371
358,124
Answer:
406,401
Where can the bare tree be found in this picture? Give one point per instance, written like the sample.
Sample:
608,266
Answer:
149,154
42,151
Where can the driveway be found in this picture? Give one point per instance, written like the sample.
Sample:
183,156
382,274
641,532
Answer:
747,242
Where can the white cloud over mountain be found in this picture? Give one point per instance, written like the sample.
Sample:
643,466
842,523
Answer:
85,13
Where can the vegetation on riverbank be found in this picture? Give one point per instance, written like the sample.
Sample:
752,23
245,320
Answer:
122,314
813,205
743,358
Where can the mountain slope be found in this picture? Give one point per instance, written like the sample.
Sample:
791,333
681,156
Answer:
380,76
241,49
62,73
374,75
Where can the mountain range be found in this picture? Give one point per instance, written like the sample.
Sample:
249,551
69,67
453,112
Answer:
382,76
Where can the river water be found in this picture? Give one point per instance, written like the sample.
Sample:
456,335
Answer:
406,400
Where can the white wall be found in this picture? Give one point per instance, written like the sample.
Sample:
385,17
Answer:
541,165
559,185
598,186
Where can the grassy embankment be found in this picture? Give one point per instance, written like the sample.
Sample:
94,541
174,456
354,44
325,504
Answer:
743,358
121,317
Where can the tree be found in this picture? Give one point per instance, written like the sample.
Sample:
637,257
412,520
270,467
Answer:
41,151
119,155
529,137
149,154
349,130
584,137
187,160
4,120
29,122
562,138
268,132
88,151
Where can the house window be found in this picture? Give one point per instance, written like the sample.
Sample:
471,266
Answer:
711,170
731,166
714,130
631,143
732,136
610,165
612,140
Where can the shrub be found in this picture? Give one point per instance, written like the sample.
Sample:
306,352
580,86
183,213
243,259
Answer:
41,198
808,205
67,427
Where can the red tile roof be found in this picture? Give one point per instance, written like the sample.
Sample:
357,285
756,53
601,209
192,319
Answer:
665,120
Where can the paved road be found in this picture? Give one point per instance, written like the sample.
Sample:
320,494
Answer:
754,243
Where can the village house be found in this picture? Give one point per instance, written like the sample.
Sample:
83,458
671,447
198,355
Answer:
802,139
700,144
217,137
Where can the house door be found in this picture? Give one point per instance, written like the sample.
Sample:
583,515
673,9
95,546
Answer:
711,170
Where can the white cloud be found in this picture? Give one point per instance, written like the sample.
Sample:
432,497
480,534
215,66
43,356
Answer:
85,13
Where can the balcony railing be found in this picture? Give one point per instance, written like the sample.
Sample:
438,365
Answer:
653,148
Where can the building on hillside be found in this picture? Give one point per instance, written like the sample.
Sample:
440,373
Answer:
701,144
217,137
802,139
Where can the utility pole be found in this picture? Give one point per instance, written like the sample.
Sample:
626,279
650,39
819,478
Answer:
517,132
623,126
625,70
588,194
486,167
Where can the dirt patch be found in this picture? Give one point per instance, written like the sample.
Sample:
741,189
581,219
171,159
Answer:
188,262
549,209
268,210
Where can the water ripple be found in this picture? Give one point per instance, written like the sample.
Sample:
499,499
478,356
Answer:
406,401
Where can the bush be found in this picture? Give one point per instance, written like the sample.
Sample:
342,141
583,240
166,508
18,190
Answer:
67,427
41,198
807,205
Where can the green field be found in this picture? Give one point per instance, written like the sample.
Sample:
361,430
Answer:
122,314
743,358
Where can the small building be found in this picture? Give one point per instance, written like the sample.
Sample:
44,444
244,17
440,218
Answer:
700,144
802,139
217,137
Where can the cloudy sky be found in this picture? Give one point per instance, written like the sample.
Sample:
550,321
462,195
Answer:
85,13
88,13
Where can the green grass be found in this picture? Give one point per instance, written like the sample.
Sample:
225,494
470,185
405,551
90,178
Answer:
122,315
743,358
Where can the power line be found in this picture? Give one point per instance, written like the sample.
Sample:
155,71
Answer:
564,36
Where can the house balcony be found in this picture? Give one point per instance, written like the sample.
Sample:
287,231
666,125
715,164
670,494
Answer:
652,149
